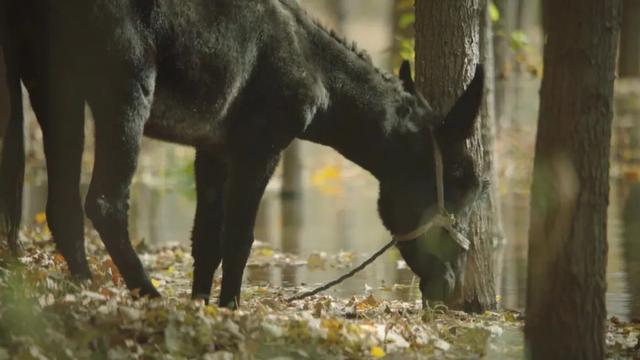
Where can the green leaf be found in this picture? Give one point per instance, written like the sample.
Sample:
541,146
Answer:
519,40
407,20
494,12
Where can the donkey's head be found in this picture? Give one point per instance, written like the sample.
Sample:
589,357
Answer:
408,190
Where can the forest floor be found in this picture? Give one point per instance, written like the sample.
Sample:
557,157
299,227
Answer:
43,315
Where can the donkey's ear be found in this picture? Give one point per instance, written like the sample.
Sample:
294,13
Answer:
405,77
459,123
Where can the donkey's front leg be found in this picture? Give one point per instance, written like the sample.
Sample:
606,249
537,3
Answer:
119,115
245,186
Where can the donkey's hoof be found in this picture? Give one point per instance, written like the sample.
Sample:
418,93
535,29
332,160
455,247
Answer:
151,293
147,290
80,272
231,304
200,297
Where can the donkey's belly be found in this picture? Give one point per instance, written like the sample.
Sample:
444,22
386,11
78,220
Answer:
175,120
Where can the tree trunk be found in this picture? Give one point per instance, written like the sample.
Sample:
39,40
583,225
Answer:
500,42
4,85
292,170
528,15
629,64
569,197
447,51
503,60
339,13
491,206
4,96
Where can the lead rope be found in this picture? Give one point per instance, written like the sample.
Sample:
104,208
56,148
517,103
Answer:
442,219
344,277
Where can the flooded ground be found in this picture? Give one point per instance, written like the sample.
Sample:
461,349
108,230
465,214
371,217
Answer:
334,222
336,215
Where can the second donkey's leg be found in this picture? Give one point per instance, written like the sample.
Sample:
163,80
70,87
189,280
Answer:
120,113
207,228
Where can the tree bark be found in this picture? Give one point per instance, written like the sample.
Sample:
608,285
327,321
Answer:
447,51
569,197
629,63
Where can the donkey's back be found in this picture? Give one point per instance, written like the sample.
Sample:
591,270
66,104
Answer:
210,65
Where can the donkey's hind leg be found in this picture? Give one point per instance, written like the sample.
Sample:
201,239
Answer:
60,112
207,228
120,112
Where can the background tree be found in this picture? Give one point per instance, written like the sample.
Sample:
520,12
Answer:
447,51
629,65
4,96
4,85
569,197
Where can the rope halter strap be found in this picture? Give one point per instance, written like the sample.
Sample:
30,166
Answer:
443,218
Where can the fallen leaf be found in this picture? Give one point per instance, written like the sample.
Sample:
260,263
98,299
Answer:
377,352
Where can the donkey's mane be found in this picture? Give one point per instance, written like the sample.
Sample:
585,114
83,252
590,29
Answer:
351,46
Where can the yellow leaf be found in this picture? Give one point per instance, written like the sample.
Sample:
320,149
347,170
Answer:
155,283
211,310
40,218
327,180
377,352
368,303
46,231
316,261
266,252
333,327
325,174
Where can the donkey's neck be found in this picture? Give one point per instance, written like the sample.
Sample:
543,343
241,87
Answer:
360,117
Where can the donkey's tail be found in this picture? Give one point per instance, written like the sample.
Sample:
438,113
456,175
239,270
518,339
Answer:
12,163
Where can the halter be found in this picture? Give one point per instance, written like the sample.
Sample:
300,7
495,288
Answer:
443,219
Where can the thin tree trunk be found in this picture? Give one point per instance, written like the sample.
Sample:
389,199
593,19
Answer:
569,197
339,13
503,60
491,206
4,96
629,64
447,51
5,111
502,54
292,170
528,15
